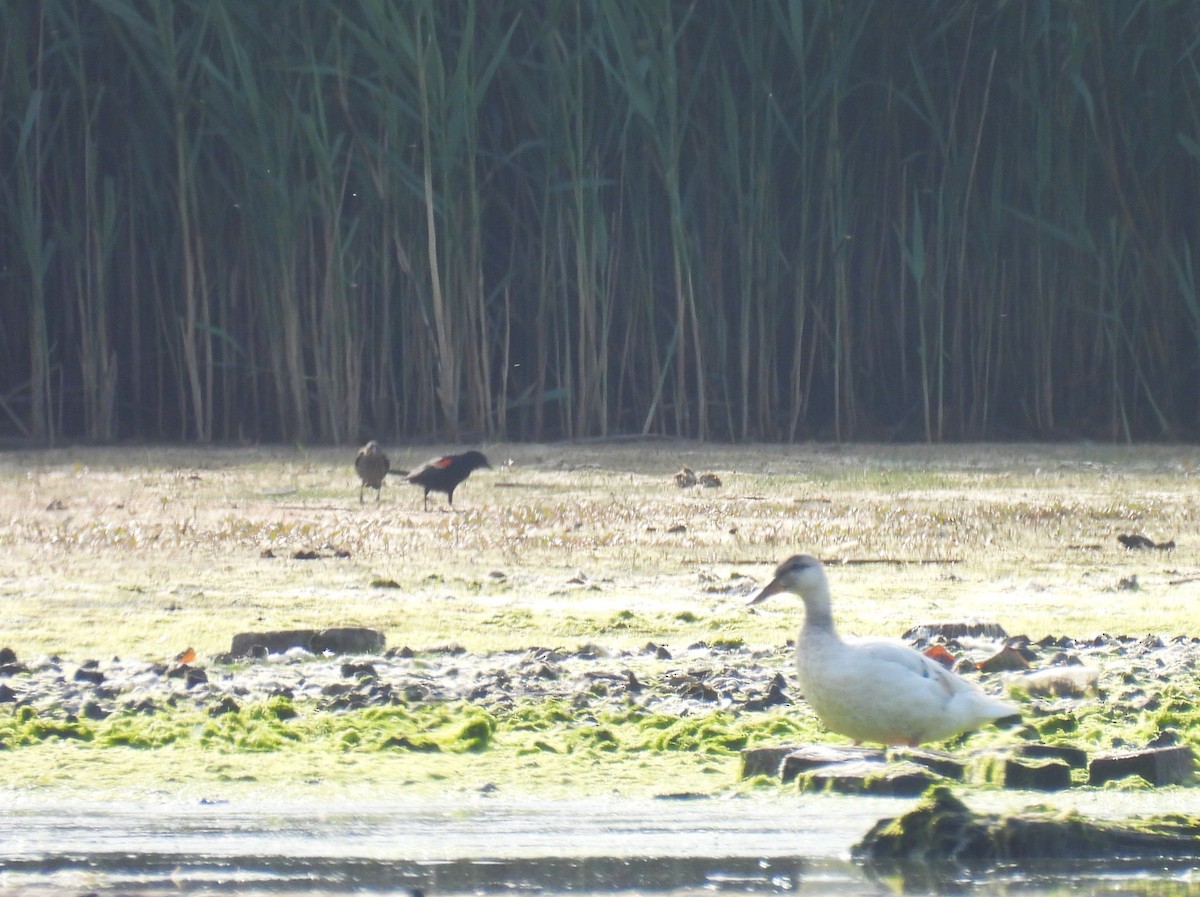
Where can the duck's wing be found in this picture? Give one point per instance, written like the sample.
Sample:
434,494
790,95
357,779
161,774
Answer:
913,662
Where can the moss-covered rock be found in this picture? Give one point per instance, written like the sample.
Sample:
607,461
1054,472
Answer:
899,779
943,834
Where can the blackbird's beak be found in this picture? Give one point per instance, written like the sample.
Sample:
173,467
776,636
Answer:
774,587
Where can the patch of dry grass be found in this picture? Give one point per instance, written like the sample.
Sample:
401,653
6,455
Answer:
143,552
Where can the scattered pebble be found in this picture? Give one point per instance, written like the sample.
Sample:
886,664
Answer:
679,681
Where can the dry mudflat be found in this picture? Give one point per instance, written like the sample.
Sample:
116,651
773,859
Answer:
573,589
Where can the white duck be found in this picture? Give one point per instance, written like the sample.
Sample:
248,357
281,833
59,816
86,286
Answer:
874,690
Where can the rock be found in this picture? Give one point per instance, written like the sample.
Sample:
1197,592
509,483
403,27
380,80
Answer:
810,756
903,779
691,684
657,651
776,696
941,834
86,674
191,676
943,764
381,693
1065,681
760,761
349,640
226,705
7,695
93,711
244,644
1033,775
7,656
1158,766
953,629
770,761
423,745
1007,658
353,701
416,693
941,654
359,671
342,640
1076,758
1165,738
541,671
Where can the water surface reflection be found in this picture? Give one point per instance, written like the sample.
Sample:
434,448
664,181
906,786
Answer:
486,846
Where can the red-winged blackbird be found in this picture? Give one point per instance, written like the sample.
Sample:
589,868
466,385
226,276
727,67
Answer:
445,473
372,466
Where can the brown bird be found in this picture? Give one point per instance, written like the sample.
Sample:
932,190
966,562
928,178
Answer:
685,478
372,466
1134,541
445,473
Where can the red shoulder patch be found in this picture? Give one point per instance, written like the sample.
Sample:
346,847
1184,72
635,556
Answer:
443,462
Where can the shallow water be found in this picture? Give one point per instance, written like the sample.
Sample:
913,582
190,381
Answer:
480,847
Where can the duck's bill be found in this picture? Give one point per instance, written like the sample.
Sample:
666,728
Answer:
771,588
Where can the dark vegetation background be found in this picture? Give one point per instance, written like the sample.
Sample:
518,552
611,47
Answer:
321,221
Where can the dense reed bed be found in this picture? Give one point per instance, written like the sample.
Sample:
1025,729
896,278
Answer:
773,220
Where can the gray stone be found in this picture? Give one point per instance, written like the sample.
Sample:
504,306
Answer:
1035,775
1158,766
1076,758
810,756
87,674
226,705
93,711
359,671
248,644
763,761
952,629
935,761
349,640
942,835
903,779
339,640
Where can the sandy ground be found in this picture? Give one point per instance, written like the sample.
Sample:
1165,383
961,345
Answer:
146,551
